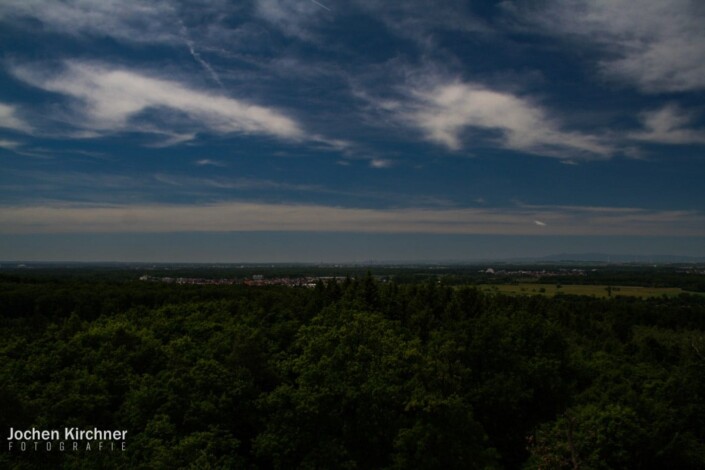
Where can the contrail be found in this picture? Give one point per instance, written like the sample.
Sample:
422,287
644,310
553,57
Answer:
197,57
320,5
539,223
201,61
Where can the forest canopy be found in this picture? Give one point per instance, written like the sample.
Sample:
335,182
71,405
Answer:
352,374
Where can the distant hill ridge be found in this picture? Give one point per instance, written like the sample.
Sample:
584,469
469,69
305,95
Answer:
620,258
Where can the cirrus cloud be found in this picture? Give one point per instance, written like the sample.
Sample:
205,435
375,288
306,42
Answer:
657,45
107,99
669,125
10,120
445,110
127,20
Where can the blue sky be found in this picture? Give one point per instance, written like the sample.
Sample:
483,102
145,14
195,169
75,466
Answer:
301,130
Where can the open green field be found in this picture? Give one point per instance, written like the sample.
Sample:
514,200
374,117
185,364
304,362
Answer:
601,291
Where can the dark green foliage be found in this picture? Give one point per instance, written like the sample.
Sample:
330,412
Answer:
358,374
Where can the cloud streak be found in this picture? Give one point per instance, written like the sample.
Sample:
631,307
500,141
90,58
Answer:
113,99
242,216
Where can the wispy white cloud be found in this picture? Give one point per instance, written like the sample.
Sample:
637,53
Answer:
338,145
293,17
446,109
217,24
209,162
113,99
166,138
10,120
136,21
133,21
669,125
242,216
128,20
658,45
247,184
9,144
380,163
420,21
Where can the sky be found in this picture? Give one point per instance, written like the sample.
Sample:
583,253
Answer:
350,130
